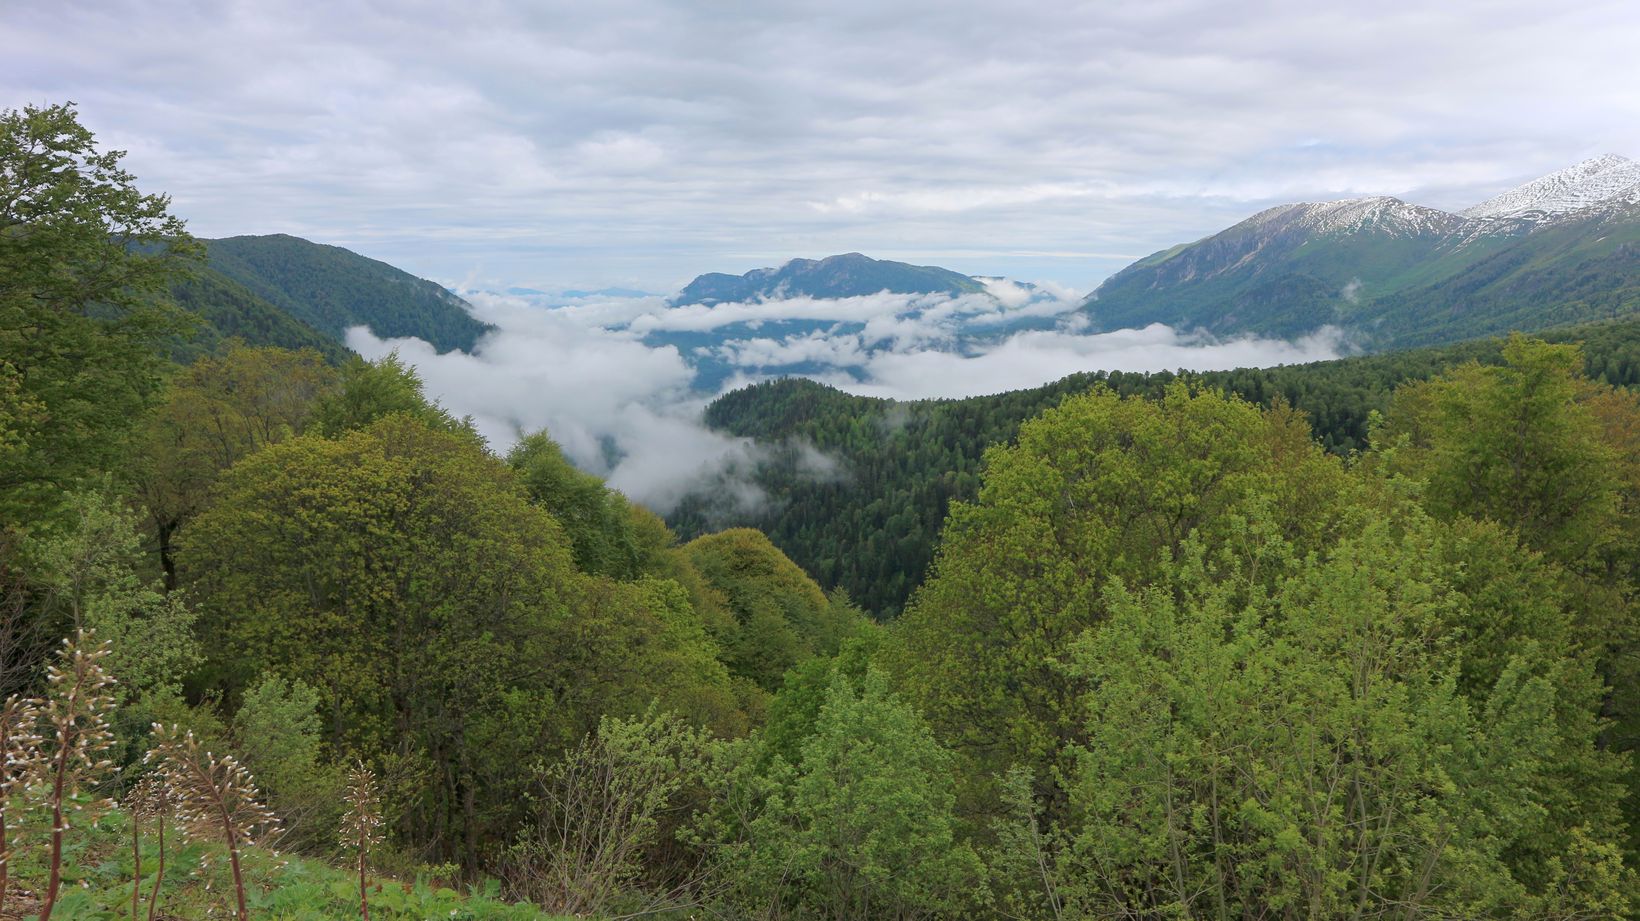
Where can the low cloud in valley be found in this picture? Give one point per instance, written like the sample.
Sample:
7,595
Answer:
629,408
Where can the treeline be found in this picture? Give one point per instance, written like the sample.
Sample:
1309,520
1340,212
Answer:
870,526
1175,659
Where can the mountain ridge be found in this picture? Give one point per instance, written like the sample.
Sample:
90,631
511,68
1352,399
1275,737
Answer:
1355,263
284,291
843,275
330,289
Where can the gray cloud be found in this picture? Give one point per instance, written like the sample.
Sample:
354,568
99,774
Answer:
640,142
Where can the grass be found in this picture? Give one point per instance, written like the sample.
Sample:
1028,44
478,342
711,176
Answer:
97,884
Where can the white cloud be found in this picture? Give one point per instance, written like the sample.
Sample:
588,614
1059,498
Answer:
1032,358
630,411
590,388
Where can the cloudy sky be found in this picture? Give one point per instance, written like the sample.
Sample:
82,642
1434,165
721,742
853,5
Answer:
640,142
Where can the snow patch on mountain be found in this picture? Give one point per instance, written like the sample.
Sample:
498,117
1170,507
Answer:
1609,179
1351,215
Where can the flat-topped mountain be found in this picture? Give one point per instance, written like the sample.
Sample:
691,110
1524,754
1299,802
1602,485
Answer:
1561,248
848,275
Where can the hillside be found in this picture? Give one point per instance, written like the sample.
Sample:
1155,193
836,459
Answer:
1560,249
228,310
848,275
330,289
873,531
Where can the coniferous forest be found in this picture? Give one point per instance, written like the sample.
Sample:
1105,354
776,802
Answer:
282,638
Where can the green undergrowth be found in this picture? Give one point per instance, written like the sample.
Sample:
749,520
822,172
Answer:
97,874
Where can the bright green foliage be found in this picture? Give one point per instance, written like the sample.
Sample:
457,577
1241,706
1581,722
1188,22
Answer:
216,411
627,645
1024,878
401,572
1098,489
278,733
795,710
596,518
1535,447
863,827
781,616
606,817
398,571
91,575
372,390
1514,444
83,255
1310,752
660,556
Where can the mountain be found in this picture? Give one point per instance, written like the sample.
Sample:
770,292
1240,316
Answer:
848,275
1590,183
1560,249
228,309
817,332
330,289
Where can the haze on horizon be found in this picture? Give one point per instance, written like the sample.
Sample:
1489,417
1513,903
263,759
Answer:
638,143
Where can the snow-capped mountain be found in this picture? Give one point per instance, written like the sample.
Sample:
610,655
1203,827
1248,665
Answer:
1353,215
1561,248
1602,180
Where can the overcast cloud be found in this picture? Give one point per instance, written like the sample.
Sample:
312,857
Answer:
637,142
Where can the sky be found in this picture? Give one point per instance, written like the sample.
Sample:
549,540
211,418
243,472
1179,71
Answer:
638,143
496,144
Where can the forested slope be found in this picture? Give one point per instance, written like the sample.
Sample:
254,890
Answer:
872,528
331,289
228,310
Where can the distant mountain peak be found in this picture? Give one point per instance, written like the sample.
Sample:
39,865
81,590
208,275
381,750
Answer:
843,275
1593,182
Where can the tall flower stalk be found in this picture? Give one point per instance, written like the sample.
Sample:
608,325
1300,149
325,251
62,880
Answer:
362,826
215,798
20,749
148,801
79,698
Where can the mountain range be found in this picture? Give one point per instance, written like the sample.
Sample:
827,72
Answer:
1563,248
